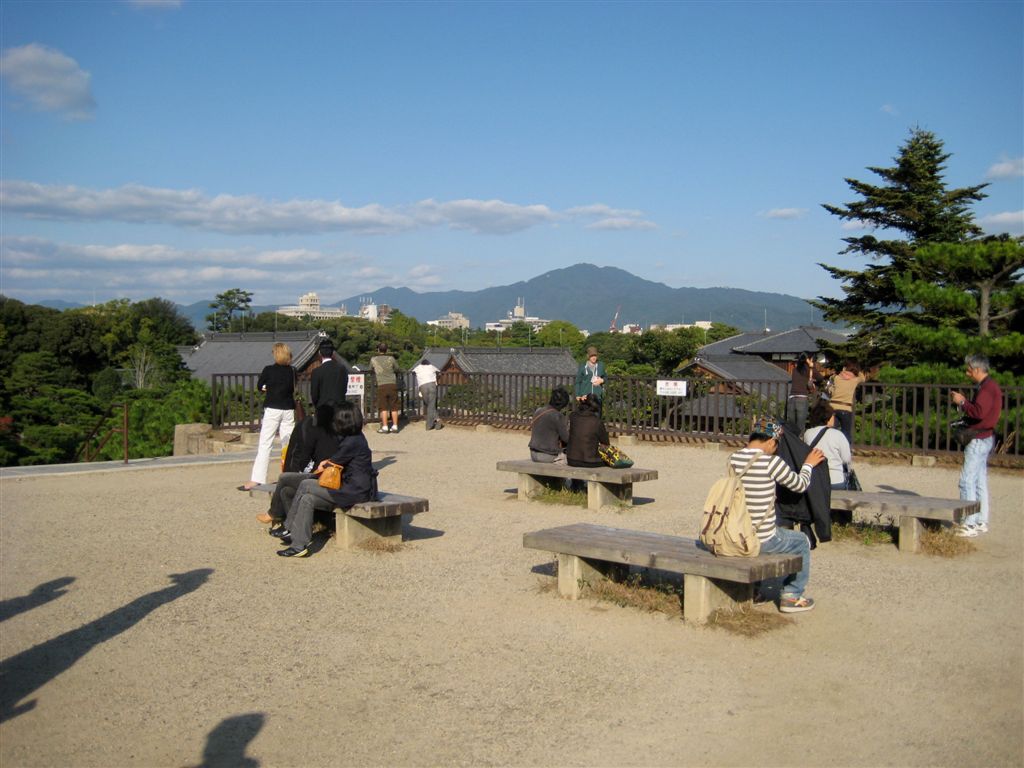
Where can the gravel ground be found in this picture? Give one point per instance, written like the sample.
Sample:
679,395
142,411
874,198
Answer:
147,622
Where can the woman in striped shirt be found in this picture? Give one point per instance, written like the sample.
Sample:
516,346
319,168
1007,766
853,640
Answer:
762,470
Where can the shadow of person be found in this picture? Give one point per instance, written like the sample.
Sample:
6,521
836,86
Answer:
41,595
29,670
226,743
386,461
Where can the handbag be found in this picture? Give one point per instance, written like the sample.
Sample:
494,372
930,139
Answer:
330,478
962,431
614,457
852,482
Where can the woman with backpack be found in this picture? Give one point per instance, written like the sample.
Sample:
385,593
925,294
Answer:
762,471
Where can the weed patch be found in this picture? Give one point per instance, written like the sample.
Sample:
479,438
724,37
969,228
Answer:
560,496
748,621
864,533
944,543
638,592
380,545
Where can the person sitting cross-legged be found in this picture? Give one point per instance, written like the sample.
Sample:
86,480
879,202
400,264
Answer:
359,482
766,470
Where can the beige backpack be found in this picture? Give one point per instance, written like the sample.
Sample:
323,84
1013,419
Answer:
726,528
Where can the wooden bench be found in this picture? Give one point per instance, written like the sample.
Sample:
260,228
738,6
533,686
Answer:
605,486
379,520
589,552
905,510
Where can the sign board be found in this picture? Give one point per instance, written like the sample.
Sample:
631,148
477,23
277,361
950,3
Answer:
670,388
356,382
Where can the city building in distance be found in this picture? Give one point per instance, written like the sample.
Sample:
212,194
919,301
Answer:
450,321
309,306
517,315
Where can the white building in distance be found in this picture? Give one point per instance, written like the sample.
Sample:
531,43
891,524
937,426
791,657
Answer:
517,315
451,320
704,325
375,313
309,306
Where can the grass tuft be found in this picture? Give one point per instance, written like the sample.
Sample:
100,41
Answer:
748,621
636,592
560,496
944,543
868,534
380,545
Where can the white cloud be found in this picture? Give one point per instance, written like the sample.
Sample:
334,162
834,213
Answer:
855,224
49,80
1008,221
232,214
889,109
1007,168
784,213
608,218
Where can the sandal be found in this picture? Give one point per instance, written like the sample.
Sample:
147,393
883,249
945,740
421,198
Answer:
263,517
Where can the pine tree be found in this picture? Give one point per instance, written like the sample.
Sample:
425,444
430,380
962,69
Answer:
913,204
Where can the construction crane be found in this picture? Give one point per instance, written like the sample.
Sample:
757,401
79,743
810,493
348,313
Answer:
614,328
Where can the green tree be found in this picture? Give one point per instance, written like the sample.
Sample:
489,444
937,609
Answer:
961,298
914,207
560,333
224,308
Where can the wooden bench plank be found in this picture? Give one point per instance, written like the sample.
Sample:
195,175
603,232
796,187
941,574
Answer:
587,552
906,511
601,474
379,520
606,486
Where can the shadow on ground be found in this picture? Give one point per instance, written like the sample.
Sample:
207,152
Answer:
226,744
41,595
30,670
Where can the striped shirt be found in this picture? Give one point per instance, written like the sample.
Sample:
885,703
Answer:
759,483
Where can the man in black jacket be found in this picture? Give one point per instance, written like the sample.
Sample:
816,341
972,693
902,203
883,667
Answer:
330,380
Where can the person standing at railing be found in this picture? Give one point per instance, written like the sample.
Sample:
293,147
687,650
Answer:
426,387
329,382
982,412
386,370
590,379
802,384
844,395
277,381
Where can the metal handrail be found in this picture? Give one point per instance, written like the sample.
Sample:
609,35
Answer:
123,429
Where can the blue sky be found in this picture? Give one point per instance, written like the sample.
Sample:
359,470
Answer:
179,149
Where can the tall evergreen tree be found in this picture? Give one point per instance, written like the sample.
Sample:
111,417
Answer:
915,208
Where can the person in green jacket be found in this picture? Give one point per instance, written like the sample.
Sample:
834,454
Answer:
590,378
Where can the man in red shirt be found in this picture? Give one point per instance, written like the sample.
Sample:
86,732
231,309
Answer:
982,412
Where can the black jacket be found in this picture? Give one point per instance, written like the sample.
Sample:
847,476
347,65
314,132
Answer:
586,431
814,506
311,440
329,384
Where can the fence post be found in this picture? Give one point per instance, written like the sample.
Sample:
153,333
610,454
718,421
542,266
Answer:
926,433
124,430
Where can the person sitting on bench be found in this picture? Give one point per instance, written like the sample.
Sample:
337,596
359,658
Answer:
763,471
549,431
311,442
359,482
586,432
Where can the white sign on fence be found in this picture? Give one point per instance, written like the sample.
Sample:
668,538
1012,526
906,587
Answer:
355,383
670,388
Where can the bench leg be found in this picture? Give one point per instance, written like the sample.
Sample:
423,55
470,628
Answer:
608,494
529,486
574,572
910,534
351,532
702,596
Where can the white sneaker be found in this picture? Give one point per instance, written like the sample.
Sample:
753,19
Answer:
981,528
394,427
966,531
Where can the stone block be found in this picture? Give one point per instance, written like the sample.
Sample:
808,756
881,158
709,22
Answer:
188,435
923,461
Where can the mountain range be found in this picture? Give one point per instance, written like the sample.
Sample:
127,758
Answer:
587,296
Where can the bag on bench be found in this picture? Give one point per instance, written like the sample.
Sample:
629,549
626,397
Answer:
614,457
726,528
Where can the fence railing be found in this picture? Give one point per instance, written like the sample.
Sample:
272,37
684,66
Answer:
117,412
903,417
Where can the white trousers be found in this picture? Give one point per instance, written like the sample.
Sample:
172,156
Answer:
274,421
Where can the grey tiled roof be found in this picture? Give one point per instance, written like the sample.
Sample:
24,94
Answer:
246,352
742,368
726,346
802,339
515,360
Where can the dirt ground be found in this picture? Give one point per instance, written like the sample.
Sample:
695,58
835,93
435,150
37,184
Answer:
145,621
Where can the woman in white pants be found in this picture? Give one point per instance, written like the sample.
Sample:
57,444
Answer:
278,382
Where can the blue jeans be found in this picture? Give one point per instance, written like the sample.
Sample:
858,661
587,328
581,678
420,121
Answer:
974,477
787,542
